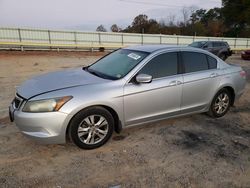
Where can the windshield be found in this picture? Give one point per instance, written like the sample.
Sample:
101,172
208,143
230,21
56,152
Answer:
117,64
197,44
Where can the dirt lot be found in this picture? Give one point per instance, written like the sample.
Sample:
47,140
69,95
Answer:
192,151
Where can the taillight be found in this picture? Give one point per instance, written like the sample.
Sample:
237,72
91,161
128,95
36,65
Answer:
243,74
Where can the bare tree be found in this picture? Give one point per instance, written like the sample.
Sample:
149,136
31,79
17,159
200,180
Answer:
187,12
171,20
162,22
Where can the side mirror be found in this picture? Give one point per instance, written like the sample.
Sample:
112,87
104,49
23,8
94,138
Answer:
143,78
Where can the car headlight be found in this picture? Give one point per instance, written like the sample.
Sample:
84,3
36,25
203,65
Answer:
46,105
243,52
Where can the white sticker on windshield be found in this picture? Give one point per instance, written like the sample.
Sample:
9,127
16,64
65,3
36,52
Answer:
134,56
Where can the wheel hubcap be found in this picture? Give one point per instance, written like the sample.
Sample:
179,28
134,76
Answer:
93,129
221,103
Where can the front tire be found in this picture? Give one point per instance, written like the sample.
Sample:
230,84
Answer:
91,128
220,104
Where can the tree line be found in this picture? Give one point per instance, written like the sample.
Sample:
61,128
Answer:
231,20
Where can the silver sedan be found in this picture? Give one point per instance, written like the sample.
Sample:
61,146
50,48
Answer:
130,86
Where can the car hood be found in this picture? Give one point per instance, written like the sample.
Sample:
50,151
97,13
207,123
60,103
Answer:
57,80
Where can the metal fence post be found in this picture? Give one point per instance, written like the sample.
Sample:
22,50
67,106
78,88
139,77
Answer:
75,39
177,40
122,40
49,36
142,39
99,35
19,35
20,38
247,43
235,40
160,39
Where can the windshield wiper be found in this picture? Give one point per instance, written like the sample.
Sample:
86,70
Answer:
91,71
94,73
98,74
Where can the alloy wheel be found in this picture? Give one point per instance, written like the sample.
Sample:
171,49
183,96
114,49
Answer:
221,103
93,129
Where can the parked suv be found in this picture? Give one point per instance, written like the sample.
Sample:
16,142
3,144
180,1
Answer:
219,48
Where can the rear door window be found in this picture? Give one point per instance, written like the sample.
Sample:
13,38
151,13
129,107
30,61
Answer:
194,61
212,62
216,44
209,45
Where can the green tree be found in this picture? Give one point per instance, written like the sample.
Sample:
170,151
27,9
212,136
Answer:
140,20
197,15
152,27
236,15
101,28
211,15
140,23
208,23
115,28
232,20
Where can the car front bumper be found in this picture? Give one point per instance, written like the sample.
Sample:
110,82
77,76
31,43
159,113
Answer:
46,128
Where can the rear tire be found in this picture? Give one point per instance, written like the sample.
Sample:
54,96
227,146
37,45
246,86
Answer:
91,128
220,104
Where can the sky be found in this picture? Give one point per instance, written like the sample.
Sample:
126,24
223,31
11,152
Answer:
88,14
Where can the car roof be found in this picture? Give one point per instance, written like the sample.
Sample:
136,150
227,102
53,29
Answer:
212,41
154,48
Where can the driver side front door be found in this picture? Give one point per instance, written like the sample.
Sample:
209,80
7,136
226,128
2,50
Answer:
144,102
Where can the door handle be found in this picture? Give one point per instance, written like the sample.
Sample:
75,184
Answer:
174,83
213,75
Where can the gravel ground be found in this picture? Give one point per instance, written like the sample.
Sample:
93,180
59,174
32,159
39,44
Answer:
191,151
